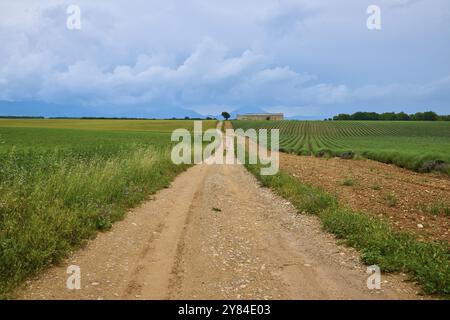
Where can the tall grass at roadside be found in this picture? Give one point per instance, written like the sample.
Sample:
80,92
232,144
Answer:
305,198
52,200
427,263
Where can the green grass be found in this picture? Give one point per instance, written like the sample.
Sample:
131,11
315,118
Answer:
110,125
375,186
348,182
427,263
405,144
390,199
305,198
436,208
58,187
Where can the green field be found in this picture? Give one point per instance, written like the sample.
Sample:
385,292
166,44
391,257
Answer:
62,180
99,124
406,144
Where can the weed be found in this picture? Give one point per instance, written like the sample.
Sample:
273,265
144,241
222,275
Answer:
439,207
375,186
390,199
348,182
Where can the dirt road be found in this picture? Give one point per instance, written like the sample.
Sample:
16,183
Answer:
215,234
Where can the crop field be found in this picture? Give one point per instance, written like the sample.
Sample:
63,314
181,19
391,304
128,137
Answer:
100,124
412,145
62,180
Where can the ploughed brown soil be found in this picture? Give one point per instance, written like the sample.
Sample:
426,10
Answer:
415,193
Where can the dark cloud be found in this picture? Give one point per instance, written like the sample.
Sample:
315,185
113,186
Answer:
299,57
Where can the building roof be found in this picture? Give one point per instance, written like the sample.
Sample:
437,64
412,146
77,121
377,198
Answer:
261,114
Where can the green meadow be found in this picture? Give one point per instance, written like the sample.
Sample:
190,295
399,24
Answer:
101,124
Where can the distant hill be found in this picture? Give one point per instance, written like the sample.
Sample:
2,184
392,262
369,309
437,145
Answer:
37,109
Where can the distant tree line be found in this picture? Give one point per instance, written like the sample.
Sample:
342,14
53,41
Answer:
131,118
401,116
20,117
103,118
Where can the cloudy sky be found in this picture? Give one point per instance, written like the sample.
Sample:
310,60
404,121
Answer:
307,58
